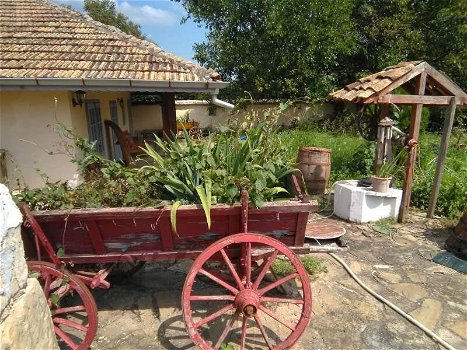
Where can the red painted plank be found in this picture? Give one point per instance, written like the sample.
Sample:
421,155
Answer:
302,219
95,237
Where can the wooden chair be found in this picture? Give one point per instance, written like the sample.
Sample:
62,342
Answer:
128,146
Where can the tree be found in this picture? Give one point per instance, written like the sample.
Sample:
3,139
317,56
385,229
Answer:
295,48
387,34
105,12
444,26
275,48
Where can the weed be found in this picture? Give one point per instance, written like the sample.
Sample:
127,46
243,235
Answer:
312,266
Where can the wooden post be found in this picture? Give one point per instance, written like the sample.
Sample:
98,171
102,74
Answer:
169,117
443,149
414,132
379,158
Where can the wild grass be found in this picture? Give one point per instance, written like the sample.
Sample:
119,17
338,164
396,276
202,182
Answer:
312,266
342,148
352,158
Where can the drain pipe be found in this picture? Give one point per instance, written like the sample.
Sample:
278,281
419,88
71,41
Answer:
221,103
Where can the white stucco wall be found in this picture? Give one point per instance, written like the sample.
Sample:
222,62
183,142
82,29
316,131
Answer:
300,112
28,123
146,117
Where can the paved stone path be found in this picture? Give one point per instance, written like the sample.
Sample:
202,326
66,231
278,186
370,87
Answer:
143,312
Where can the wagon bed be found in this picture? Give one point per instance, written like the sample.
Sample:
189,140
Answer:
235,254
119,234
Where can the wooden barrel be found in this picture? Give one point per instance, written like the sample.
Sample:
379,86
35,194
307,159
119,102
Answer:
315,164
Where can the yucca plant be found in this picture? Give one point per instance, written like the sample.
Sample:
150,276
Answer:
215,169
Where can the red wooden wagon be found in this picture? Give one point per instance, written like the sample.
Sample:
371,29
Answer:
231,294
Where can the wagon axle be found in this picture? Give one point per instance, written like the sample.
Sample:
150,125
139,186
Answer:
247,301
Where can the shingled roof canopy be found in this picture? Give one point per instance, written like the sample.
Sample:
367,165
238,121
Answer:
47,46
428,87
377,88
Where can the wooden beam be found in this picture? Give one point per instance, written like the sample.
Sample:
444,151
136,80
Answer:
445,82
395,84
169,117
414,132
412,99
443,149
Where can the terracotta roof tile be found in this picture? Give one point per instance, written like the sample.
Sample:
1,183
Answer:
42,40
372,84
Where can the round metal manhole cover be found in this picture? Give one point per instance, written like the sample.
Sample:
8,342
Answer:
321,229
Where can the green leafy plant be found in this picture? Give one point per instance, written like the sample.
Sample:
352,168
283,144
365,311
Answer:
216,169
311,264
106,183
391,167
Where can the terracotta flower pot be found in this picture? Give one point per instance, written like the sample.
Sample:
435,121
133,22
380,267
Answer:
380,184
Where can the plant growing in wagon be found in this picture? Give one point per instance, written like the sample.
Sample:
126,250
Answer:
216,169
234,245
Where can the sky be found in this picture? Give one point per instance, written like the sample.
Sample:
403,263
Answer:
160,22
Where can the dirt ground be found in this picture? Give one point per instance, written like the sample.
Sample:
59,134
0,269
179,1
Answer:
143,312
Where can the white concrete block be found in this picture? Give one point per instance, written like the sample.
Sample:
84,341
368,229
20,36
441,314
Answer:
362,204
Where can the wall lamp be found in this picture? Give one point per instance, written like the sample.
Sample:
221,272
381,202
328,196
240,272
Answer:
78,98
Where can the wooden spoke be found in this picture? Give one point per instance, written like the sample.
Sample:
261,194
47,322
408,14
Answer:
75,324
214,315
265,269
243,341
276,317
69,323
263,331
63,336
232,270
247,299
277,283
212,297
65,310
281,300
227,329
248,265
218,281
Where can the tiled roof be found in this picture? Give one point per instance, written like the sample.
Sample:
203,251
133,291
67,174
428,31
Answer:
365,87
39,39
374,86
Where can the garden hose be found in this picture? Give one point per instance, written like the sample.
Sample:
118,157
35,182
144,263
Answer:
392,306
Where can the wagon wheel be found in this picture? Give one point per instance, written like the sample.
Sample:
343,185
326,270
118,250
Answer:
367,122
72,306
250,311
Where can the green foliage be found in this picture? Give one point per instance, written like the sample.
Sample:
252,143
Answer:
295,48
402,117
393,167
105,12
352,158
342,146
106,184
227,346
388,33
216,169
363,159
280,48
453,190
311,264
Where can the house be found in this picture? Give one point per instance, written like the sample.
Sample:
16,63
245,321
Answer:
58,66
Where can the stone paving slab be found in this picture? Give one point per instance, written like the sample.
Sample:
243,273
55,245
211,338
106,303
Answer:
143,312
